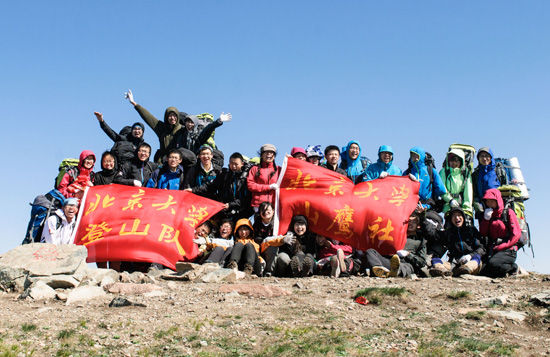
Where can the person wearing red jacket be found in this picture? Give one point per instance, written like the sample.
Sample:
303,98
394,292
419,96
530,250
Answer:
262,178
502,233
75,180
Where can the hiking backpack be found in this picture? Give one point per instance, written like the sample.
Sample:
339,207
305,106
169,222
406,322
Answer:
43,207
69,166
509,173
512,198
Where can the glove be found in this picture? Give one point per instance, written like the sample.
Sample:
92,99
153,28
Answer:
412,177
225,117
128,95
383,174
137,183
273,186
402,253
454,204
488,214
199,241
478,207
289,238
464,259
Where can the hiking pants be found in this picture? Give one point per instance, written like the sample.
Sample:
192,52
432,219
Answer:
270,256
219,255
501,263
376,259
244,254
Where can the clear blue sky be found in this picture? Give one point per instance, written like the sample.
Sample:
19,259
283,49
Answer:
292,73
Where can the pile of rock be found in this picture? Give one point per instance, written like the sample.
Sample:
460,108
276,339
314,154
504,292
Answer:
45,271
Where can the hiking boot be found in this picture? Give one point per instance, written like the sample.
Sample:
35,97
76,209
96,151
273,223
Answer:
335,272
248,269
469,268
295,266
395,262
233,265
439,270
309,263
381,272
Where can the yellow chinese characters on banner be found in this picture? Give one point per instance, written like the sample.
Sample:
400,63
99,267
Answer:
379,231
301,181
342,221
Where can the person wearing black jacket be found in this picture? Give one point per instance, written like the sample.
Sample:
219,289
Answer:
109,169
203,171
137,171
126,141
229,187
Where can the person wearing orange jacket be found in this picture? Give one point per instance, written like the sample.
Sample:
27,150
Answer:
245,250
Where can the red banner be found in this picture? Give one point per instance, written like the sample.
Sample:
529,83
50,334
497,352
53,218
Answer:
125,223
371,214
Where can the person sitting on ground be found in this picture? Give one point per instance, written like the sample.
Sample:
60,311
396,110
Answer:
409,260
229,187
170,176
335,258
218,250
59,227
352,161
126,142
166,130
245,251
203,172
463,246
332,155
262,178
418,171
314,154
484,177
137,171
297,250
108,169
384,166
502,229
458,183
298,153
76,179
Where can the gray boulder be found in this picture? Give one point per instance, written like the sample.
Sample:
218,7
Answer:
43,259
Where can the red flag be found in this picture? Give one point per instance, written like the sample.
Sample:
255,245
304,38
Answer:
371,214
125,223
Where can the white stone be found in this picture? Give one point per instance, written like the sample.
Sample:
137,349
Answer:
84,293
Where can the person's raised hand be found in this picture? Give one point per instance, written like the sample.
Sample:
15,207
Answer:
225,117
130,96
99,116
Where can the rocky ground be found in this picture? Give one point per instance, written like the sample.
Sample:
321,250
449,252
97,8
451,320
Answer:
277,317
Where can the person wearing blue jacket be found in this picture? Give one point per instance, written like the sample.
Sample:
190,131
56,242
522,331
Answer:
170,176
383,166
352,161
418,171
484,177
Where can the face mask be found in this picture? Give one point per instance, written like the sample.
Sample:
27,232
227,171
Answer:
488,213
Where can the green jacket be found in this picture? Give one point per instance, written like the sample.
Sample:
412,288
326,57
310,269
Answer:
458,187
164,131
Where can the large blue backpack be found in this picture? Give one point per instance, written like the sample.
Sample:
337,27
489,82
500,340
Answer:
43,207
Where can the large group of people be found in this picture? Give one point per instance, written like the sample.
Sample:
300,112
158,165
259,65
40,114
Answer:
241,236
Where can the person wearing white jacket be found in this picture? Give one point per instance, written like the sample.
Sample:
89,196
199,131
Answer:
60,225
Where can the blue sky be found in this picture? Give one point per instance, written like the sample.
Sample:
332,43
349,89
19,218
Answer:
402,73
